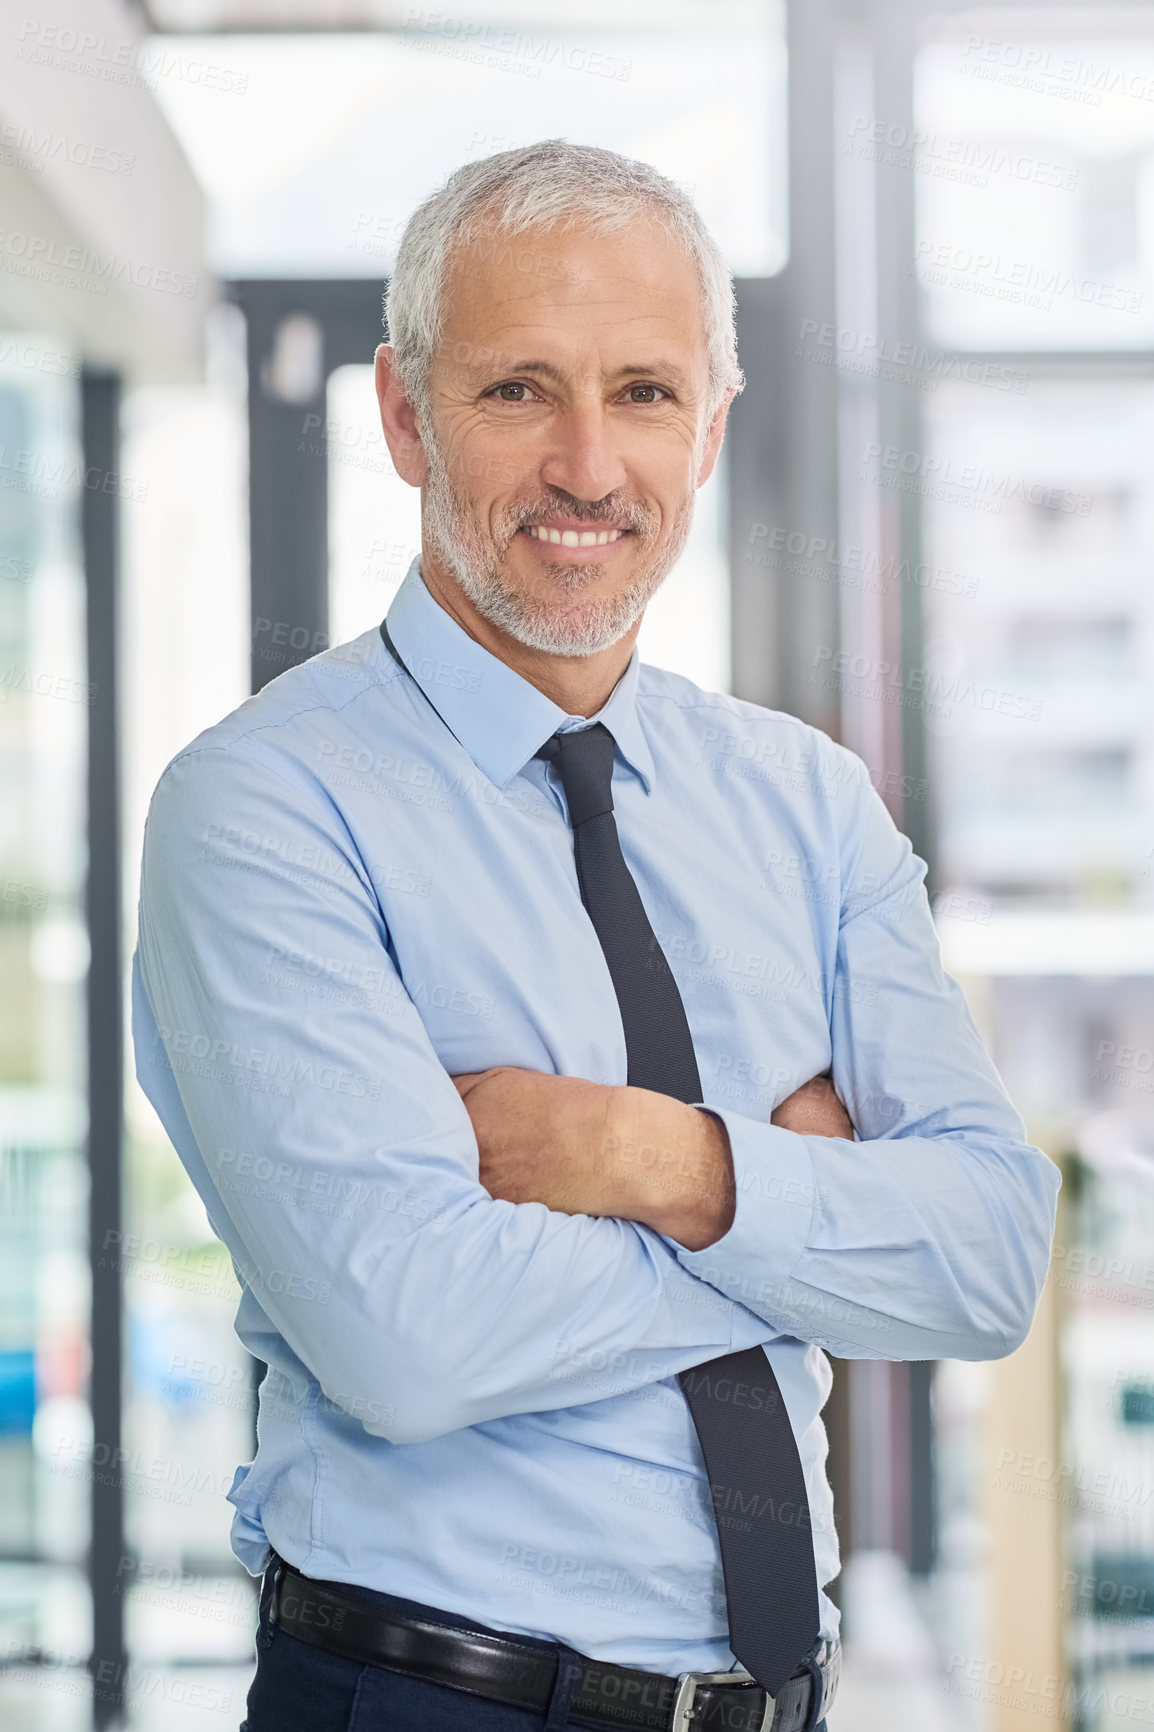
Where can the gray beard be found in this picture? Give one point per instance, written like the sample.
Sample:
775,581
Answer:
474,558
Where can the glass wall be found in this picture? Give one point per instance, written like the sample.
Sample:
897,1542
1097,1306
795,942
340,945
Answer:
189,1401
1036,482
45,1428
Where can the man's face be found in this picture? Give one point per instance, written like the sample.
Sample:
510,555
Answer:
568,433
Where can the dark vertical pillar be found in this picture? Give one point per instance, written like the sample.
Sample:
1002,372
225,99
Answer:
811,632
757,474
288,492
100,437
783,429
895,26
923,1506
299,330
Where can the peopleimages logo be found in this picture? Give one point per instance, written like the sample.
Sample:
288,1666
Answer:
970,160
1024,282
121,62
995,487
31,149
1040,67
40,256
497,43
855,567
920,687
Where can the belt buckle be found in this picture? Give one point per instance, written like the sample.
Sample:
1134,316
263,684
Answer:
687,1686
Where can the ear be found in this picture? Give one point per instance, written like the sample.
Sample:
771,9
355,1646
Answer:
399,420
713,439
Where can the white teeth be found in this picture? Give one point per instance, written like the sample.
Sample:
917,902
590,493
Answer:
573,538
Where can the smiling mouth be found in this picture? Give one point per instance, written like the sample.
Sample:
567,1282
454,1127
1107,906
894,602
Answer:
575,537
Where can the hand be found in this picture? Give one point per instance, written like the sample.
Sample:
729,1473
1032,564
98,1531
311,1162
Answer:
814,1110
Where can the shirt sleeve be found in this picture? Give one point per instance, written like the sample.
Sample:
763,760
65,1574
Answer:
334,1154
930,1237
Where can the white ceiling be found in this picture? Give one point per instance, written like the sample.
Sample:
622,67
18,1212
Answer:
310,15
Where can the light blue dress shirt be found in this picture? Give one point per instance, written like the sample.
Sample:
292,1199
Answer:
361,883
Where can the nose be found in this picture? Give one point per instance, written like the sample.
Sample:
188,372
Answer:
582,459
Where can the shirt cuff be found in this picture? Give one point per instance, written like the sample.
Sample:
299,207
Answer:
776,1193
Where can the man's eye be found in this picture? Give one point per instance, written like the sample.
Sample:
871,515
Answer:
645,393
512,391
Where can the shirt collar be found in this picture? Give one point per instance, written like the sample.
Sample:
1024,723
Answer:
496,714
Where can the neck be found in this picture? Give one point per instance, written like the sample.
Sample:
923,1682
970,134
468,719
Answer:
580,685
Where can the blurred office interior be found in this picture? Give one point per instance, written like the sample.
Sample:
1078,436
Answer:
931,534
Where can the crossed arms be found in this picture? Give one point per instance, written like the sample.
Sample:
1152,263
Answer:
479,1251
593,1149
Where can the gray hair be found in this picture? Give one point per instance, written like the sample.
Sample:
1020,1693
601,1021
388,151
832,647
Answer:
550,182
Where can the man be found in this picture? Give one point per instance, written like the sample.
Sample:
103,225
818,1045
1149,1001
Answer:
486,984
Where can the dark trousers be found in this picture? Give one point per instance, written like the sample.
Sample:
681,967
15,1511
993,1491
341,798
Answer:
299,1688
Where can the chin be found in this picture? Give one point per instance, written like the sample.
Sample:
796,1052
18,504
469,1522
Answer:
570,633
564,575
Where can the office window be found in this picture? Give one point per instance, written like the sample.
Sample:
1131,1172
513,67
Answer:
45,1427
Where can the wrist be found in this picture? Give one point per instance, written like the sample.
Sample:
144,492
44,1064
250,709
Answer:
674,1167
708,1203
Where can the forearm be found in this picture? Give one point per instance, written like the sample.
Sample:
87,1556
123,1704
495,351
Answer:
681,1160
912,1247
593,1149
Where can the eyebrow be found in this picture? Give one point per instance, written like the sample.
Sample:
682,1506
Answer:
660,369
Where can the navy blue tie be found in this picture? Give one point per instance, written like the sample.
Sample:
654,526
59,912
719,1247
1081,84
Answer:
755,1474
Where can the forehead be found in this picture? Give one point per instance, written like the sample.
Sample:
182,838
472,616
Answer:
575,287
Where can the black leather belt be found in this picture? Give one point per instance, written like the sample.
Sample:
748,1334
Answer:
505,1670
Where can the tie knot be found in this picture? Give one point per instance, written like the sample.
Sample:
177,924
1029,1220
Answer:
584,760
